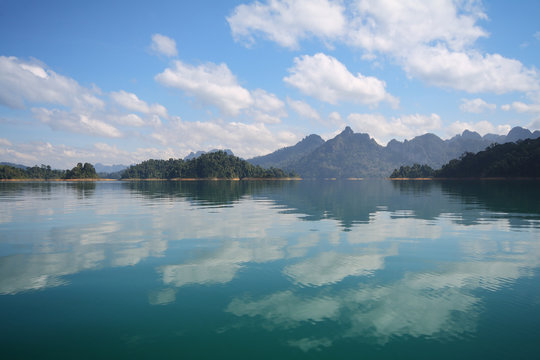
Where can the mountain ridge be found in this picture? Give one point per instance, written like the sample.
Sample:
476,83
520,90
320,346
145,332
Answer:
357,155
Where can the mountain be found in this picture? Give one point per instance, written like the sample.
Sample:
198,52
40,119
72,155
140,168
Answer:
193,155
348,155
100,168
283,158
518,133
351,155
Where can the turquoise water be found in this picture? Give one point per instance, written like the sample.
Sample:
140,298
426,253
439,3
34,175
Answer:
270,270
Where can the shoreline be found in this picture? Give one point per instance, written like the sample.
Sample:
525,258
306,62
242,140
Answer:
465,178
151,179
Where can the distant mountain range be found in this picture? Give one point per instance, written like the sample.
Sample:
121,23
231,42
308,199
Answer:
195,155
100,168
357,155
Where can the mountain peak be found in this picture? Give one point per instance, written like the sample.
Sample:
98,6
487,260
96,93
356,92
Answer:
473,135
347,131
518,133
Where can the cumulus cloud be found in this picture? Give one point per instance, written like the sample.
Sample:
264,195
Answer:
29,81
404,127
164,45
335,118
439,44
75,122
380,26
210,83
131,102
303,109
469,71
432,40
481,127
476,106
325,78
287,21
246,140
64,156
524,108
266,107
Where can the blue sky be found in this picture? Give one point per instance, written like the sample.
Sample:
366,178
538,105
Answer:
119,82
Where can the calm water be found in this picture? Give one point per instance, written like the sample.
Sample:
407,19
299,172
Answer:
277,270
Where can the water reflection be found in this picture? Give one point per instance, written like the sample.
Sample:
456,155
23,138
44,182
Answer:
373,260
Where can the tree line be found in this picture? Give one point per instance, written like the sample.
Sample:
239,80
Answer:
210,165
80,171
519,159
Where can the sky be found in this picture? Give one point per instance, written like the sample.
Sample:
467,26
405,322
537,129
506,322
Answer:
120,82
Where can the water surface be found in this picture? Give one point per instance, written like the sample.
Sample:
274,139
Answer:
204,270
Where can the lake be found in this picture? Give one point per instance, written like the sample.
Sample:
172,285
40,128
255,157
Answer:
270,270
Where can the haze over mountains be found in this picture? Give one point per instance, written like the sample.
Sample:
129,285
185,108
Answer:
357,155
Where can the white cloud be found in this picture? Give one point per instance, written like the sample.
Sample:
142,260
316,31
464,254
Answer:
63,156
303,109
506,107
266,108
327,79
404,127
432,40
481,127
522,107
245,140
394,26
537,35
5,142
476,106
128,119
210,83
267,102
23,81
469,71
164,45
288,21
75,122
131,102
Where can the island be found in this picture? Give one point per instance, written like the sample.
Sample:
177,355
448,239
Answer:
214,165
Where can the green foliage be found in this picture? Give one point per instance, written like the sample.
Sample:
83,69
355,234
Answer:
35,172
415,171
10,172
207,166
86,171
521,159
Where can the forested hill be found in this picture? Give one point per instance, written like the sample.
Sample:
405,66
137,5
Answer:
521,159
207,166
509,160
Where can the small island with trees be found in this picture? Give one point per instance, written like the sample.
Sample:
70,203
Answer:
509,160
215,165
